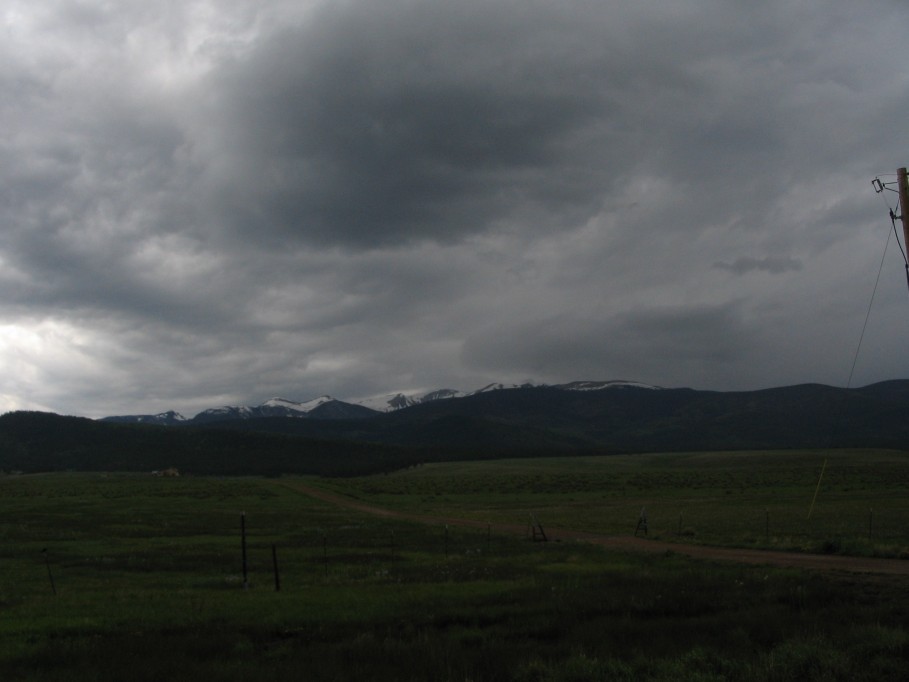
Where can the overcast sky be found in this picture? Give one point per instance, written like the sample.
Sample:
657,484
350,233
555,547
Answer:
209,203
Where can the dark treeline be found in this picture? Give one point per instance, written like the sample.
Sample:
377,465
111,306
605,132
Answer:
35,442
40,442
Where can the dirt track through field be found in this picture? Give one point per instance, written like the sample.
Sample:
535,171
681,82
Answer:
814,562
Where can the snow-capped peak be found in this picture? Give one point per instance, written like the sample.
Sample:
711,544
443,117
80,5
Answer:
389,402
315,402
278,402
292,406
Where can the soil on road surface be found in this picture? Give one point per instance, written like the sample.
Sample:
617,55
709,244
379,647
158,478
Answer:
815,562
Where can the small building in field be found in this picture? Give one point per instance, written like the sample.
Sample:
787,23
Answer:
171,472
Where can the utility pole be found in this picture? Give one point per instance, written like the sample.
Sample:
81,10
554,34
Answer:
902,182
902,191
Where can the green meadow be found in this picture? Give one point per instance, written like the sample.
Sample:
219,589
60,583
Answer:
838,501
126,576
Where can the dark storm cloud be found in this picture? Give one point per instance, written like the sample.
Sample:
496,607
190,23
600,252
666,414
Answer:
647,344
396,122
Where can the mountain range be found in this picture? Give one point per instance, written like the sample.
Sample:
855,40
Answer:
326,407
629,417
584,415
599,418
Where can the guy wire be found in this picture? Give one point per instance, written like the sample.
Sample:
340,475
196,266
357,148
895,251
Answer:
870,303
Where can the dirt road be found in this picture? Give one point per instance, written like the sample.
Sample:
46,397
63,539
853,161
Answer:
815,562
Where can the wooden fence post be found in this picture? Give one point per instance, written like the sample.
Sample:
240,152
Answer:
243,549
50,576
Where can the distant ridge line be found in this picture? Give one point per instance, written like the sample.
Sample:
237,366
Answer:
340,409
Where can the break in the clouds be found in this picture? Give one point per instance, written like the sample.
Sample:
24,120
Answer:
207,203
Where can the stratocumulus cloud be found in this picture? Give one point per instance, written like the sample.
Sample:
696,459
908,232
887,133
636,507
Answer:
207,203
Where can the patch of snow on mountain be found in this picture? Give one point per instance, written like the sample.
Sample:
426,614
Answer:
600,385
389,402
501,387
315,402
441,394
386,402
234,412
291,406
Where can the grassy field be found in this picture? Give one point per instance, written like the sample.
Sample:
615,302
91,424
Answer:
749,499
141,578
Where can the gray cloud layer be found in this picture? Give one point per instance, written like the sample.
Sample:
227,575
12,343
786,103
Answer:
218,202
